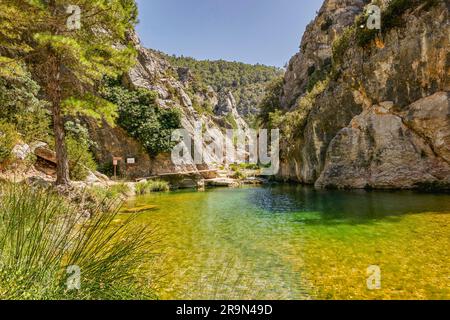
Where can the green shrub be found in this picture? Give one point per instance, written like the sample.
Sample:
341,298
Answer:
238,174
107,169
342,44
78,148
150,186
201,108
249,166
41,235
120,189
99,196
391,17
319,75
234,167
363,35
159,186
276,119
293,123
81,159
140,188
271,100
8,138
244,166
21,107
231,121
142,118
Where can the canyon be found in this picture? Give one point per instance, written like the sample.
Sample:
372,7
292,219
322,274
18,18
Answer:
382,119
372,115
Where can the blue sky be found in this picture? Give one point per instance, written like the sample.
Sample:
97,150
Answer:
251,31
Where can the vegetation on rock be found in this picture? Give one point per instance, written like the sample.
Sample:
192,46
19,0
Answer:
79,147
68,63
150,186
270,103
20,105
8,138
246,82
142,118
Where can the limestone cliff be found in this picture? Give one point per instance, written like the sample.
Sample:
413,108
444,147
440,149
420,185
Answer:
382,119
315,53
173,86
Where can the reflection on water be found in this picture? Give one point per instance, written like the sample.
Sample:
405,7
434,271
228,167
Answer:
293,242
355,205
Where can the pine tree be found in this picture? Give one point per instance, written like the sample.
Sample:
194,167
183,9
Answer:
69,46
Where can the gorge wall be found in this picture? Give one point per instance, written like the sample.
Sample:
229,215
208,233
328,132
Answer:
381,118
175,89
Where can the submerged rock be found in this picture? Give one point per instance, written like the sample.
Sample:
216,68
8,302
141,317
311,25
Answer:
222,182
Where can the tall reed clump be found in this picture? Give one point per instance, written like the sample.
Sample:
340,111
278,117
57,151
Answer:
146,187
44,239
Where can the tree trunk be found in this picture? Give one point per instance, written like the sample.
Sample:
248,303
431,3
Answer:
62,163
54,92
50,74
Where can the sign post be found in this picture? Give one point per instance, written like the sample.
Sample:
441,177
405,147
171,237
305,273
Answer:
115,164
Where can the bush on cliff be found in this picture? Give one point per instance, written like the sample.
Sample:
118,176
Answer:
271,100
391,17
142,118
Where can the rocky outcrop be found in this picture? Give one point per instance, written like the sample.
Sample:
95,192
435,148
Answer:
227,108
382,149
173,86
382,121
315,53
116,143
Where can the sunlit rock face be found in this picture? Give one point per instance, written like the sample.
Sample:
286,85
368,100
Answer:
316,46
382,148
154,72
383,120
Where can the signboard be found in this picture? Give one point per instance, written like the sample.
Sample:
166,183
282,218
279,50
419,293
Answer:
116,160
131,161
115,164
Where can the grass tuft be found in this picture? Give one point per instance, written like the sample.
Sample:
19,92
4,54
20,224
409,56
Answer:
146,187
41,235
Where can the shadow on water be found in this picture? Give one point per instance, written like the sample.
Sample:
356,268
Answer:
310,206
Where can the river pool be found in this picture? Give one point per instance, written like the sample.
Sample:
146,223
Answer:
294,242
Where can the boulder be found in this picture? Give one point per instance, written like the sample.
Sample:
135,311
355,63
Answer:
378,150
21,151
46,154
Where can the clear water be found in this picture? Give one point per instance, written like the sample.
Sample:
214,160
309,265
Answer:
294,242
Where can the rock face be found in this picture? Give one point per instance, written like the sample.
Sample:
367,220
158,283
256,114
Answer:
381,149
227,107
383,120
316,46
154,72
115,142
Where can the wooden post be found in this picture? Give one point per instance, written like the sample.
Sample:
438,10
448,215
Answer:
115,164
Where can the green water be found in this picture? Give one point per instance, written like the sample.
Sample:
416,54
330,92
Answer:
292,242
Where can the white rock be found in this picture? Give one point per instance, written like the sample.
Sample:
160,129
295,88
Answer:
21,151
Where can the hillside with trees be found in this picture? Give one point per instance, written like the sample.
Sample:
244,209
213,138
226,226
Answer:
247,82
